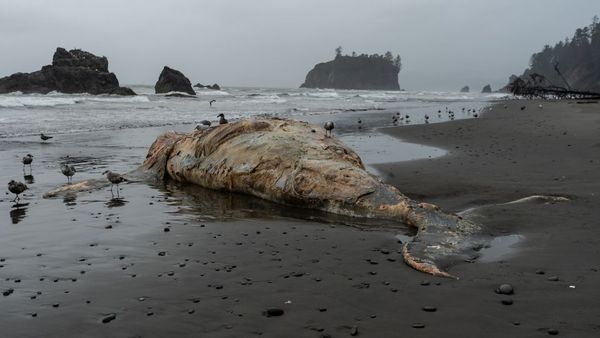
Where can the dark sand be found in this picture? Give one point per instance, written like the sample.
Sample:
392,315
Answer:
222,262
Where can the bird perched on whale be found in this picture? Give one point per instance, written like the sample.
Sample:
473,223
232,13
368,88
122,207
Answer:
222,119
328,127
16,188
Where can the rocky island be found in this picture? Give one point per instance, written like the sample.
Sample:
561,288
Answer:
172,80
74,71
375,72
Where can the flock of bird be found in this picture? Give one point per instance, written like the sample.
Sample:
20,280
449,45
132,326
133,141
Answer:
66,169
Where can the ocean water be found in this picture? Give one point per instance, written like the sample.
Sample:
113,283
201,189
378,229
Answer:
57,113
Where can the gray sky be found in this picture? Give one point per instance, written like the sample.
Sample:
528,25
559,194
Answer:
444,44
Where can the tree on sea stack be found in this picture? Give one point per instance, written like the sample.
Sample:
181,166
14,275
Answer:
338,52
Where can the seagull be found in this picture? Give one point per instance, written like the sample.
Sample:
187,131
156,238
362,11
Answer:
205,123
211,102
27,161
114,178
16,188
222,119
328,128
68,170
45,137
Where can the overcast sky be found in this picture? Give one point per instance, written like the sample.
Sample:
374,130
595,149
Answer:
444,44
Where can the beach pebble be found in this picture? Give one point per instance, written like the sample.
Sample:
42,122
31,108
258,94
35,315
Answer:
354,331
507,301
428,308
418,325
553,332
273,312
553,278
109,318
505,289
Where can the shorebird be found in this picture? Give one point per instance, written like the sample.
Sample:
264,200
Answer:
222,119
211,102
16,188
328,128
205,123
68,170
45,137
27,161
114,178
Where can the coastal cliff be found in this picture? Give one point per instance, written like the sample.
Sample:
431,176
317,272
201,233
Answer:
356,72
74,71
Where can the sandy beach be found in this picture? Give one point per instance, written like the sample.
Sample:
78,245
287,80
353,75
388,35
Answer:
170,260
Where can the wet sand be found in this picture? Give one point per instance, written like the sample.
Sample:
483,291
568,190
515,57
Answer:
182,261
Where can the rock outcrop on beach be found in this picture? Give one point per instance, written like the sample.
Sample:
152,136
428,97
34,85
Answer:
355,72
74,71
171,80
465,89
486,89
572,64
214,86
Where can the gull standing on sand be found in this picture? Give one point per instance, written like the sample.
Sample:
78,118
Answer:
68,170
114,178
16,188
27,161
45,137
222,119
328,128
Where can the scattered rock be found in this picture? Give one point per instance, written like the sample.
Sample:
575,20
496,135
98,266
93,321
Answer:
505,289
428,308
273,312
553,278
354,331
507,301
418,325
109,318
553,332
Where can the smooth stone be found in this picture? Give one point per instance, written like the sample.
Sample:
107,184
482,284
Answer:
354,331
505,289
273,312
429,308
507,301
553,332
109,318
553,278
418,325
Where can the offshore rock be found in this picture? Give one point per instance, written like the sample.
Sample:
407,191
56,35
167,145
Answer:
171,80
74,71
354,72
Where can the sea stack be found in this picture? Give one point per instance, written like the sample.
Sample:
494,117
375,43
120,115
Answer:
171,80
465,89
487,89
373,72
74,71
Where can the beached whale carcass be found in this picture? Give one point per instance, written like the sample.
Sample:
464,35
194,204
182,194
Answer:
294,163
